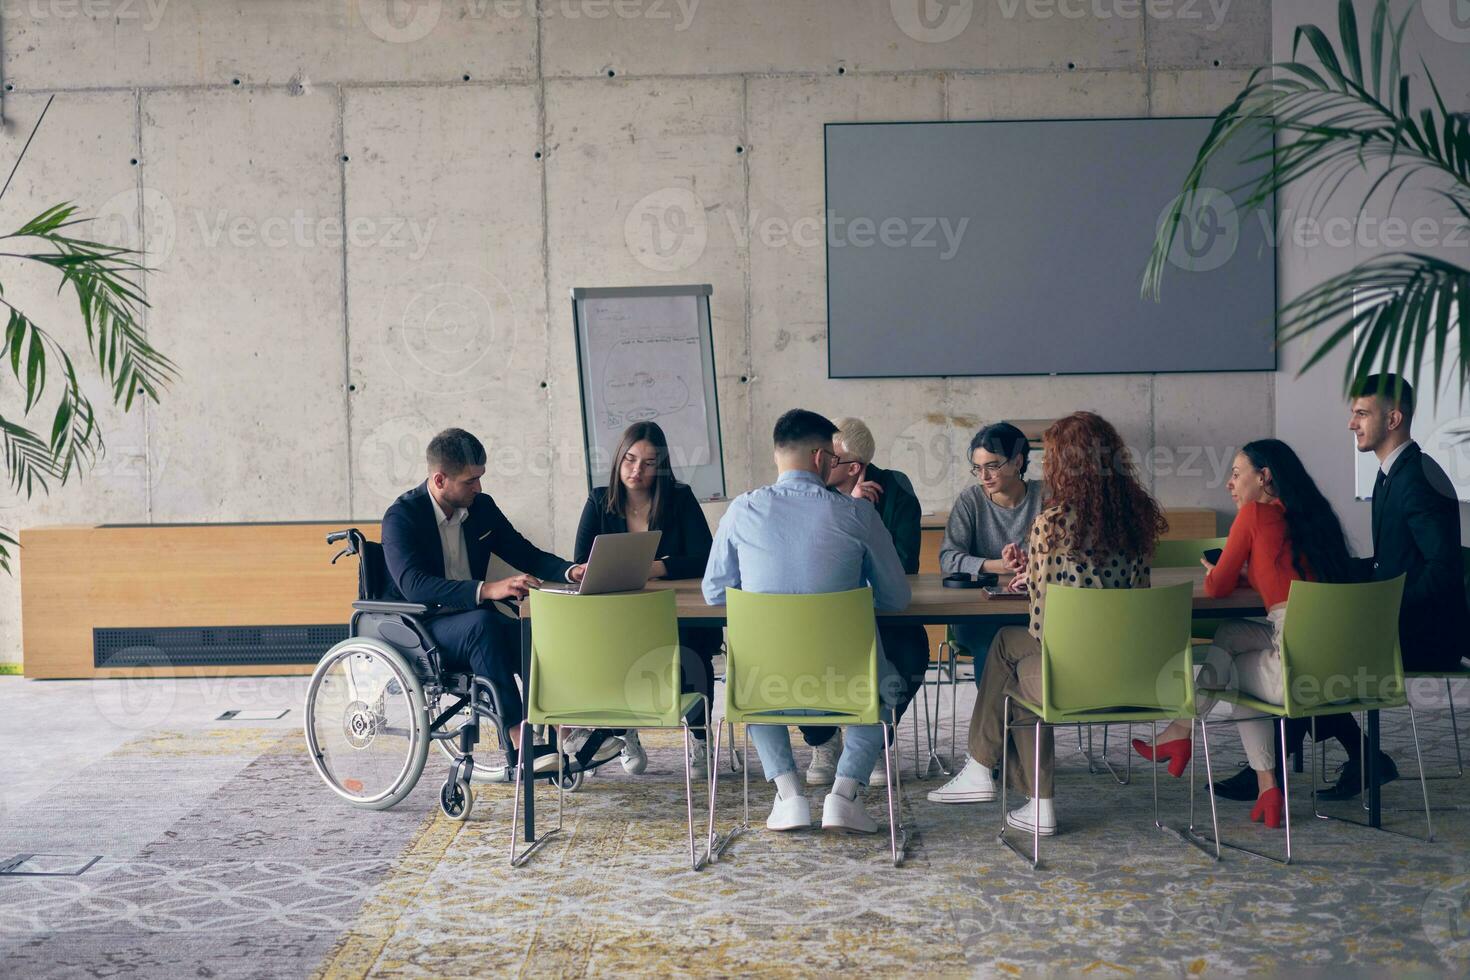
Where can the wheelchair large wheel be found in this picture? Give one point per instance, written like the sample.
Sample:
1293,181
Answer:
367,726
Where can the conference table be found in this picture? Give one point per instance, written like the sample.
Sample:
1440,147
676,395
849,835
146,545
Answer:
933,604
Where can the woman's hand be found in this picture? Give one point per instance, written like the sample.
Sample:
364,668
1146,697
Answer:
1014,557
1021,583
659,570
1208,567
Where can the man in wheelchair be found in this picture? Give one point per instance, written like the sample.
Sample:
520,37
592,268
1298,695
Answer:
437,542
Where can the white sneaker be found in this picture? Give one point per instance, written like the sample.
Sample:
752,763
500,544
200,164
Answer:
697,767
1023,818
846,816
824,761
972,784
878,778
790,813
635,760
574,739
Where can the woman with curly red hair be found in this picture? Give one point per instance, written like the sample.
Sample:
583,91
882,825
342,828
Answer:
1098,531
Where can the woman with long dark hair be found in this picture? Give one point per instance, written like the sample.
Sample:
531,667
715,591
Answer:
1284,531
642,495
1098,531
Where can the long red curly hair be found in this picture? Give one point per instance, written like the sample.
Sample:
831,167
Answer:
1091,474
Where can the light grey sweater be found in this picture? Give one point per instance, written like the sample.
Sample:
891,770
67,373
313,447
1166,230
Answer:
980,530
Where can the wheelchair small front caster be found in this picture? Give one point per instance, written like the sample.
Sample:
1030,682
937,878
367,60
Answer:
456,799
572,781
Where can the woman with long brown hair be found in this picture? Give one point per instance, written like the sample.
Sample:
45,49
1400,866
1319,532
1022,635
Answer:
1098,532
642,495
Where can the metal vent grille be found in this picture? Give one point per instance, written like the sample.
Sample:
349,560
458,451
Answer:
209,646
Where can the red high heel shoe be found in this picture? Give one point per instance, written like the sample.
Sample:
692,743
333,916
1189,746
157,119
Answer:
1269,807
1176,752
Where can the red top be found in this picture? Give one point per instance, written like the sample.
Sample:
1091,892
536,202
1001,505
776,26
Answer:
1258,540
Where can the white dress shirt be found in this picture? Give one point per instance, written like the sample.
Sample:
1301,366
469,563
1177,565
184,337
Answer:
451,539
1392,458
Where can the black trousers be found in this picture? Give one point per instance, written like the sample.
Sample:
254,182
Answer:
697,648
488,643
907,649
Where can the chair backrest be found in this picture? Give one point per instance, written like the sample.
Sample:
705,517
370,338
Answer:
604,653
1340,646
1183,552
373,580
818,652
1108,649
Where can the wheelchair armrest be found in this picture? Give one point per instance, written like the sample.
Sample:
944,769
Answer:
403,608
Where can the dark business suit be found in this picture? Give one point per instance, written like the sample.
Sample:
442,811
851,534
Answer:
479,636
906,647
1416,533
684,550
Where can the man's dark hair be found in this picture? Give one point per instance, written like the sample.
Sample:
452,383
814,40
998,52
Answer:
1003,439
1392,388
453,451
798,427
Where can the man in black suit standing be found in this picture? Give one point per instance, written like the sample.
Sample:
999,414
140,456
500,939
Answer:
438,539
1416,533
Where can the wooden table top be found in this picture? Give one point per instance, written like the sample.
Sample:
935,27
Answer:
933,603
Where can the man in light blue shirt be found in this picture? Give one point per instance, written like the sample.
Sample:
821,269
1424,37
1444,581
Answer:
797,537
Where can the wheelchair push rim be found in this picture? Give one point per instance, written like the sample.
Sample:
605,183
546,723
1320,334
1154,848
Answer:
366,723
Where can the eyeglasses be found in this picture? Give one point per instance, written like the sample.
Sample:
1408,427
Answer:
989,469
836,459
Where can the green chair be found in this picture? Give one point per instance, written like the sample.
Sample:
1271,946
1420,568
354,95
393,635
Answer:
1112,655
606,661
1335,637
814,654
1183,552
1462,673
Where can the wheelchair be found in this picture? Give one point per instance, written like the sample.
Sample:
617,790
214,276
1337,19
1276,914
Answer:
380,697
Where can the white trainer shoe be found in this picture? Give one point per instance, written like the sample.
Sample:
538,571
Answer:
1024,818
878,779
972,784
823,768
697,767
635,760
790,813
846,816
575,738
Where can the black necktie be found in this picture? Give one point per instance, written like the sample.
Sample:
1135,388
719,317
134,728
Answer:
1379,482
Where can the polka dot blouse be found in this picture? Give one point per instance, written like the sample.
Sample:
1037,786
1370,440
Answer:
1064,564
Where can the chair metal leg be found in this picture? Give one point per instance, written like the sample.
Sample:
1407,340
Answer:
695,863
527,757
898,838
1423,786
1034,858
1459,772
1189,835
717,845
1286,808
954,718
737,762
1123,780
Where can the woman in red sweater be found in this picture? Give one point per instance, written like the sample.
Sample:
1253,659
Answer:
1285,530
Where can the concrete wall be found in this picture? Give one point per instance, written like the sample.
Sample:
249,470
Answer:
1311,411
483,156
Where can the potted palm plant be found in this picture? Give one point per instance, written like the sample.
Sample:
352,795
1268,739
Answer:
55,434
1323,123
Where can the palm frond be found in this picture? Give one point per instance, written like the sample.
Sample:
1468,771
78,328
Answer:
1322,123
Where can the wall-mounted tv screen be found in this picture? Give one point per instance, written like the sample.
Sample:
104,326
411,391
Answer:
994,248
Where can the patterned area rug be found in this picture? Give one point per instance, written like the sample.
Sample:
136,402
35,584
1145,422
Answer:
223,855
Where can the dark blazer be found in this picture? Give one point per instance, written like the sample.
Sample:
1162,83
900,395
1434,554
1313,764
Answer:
416,557
1416,533
684,547
899,509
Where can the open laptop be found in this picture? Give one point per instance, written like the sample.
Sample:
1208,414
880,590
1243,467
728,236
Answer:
618,563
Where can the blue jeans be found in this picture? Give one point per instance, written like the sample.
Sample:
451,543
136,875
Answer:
861,744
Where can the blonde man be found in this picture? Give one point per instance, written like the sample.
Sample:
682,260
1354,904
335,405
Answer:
906,647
